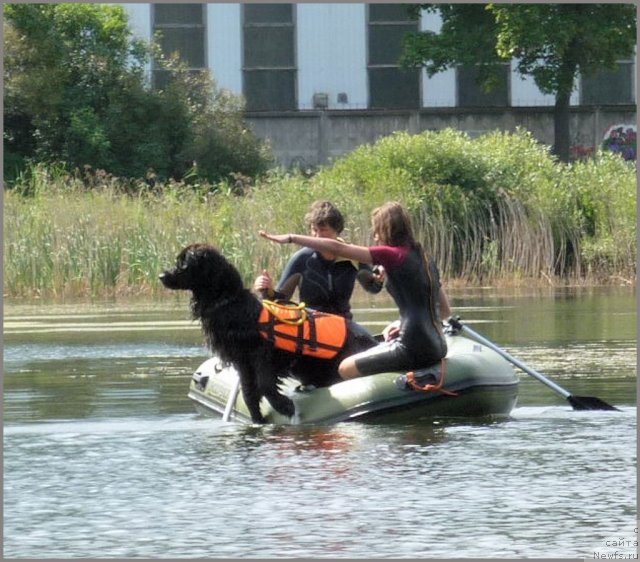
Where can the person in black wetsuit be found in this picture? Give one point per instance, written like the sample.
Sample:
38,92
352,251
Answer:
324,280
413,281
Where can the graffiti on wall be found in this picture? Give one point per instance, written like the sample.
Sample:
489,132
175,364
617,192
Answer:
621,139
581,146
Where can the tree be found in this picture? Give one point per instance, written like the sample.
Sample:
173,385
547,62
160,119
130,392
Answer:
552,43
75,91
62,63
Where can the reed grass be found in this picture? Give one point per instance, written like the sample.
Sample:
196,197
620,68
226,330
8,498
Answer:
495,210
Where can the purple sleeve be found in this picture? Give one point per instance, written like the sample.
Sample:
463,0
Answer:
388,257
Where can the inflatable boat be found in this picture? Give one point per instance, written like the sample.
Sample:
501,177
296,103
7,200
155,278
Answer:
474,381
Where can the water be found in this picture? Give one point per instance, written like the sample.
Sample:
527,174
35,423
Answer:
105,457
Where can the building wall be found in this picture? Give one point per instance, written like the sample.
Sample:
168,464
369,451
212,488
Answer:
139,19
440,89
331,55
224,45
331,58
329,35
312,138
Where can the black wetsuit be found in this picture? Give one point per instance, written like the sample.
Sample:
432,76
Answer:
421,341
324,285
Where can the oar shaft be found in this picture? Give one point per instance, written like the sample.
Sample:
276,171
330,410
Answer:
517,363
233,395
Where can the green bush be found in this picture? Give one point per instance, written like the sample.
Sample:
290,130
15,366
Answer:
501,198
523,217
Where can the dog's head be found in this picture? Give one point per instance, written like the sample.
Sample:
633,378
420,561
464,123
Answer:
202,267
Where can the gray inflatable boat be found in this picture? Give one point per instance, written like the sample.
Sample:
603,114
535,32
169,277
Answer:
476,382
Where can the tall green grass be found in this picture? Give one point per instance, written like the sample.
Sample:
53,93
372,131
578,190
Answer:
493,210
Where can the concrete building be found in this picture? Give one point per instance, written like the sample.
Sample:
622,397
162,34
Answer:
321,79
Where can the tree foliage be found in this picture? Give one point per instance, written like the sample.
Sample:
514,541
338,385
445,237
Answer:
75,91
468,37
552,43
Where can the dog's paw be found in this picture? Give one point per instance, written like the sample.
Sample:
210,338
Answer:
290,410
258,418
284,406
256,414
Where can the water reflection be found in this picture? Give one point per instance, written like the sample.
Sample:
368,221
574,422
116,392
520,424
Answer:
184,486
105,456
585,340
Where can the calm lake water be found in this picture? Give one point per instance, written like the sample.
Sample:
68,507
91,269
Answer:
104,456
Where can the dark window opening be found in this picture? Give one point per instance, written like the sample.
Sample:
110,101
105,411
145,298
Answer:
181,29
472,94
609,87
269,68
390,86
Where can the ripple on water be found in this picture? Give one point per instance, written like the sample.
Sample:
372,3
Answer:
104,457
549,482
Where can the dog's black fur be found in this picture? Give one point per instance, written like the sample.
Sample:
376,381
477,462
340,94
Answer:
229,316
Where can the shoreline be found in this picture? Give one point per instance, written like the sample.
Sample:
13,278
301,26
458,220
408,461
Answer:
456,287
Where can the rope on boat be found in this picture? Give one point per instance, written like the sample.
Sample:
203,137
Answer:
411,381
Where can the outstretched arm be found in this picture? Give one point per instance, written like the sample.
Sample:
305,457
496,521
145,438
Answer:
351,251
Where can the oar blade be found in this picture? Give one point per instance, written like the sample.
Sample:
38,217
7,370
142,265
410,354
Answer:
589,403
578,402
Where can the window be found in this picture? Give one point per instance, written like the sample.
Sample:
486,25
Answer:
182,30
390,87
269,70
609,87
471,94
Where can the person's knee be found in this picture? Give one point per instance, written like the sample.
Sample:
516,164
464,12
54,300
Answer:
348,369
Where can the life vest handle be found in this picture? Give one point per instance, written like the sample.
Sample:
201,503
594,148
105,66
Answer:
275,307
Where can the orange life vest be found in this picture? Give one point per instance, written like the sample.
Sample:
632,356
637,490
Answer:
296,329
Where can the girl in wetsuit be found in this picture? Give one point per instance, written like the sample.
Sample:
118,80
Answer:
412,280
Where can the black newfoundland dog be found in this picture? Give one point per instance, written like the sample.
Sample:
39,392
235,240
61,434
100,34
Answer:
229,316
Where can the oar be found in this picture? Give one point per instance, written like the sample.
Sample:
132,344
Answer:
233,394
577,402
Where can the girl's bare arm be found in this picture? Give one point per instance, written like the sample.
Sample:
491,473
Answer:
350,251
